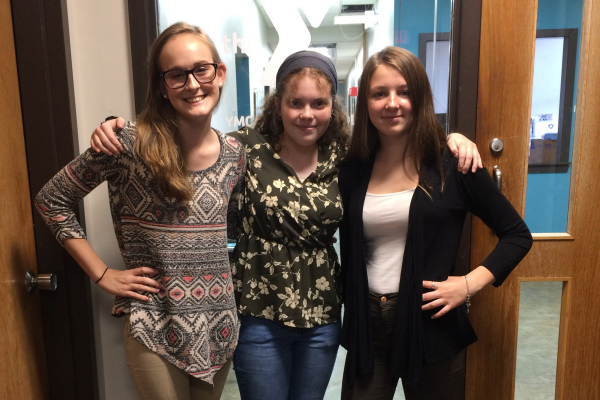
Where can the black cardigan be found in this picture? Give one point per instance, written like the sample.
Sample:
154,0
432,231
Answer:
434,230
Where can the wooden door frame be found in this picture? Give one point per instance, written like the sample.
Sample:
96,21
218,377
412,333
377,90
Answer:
143,29
42,45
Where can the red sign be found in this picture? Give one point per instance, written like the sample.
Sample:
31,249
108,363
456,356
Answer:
353,91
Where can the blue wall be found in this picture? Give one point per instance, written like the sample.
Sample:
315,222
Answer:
547,200
417,16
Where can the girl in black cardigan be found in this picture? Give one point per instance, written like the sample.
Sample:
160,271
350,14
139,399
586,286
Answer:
404,207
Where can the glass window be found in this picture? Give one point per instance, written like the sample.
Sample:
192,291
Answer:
553,115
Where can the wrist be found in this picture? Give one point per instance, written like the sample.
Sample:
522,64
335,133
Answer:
479,278
101,276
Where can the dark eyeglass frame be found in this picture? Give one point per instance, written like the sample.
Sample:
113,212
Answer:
187,74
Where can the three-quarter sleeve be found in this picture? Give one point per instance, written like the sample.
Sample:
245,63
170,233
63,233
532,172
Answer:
62,193
487,202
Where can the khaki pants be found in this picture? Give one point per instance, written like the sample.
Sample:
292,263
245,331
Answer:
157,379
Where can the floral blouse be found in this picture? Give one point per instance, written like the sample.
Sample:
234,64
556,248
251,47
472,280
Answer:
284,265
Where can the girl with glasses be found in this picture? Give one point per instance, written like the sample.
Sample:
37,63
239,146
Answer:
169,192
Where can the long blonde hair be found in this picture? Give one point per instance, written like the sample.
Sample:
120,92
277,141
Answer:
157,142
427,138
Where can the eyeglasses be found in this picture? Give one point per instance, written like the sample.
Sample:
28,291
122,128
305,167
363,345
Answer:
177,78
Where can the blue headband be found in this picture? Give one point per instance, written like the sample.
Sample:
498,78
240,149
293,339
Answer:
310,59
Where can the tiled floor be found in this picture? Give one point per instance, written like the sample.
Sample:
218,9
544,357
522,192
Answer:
536,351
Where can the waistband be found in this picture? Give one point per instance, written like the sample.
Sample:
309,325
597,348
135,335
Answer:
377,296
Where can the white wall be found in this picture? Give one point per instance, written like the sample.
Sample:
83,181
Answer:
382,34
356,70
103,85
221,19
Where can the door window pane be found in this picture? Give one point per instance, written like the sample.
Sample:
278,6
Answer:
553,115
537,341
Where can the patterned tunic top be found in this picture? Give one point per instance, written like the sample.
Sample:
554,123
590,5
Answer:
284,264
193,324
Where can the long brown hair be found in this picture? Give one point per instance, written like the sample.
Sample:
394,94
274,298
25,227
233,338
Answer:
427,138
270,125
157,141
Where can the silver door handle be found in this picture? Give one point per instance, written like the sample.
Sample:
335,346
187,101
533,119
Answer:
42,282
498,177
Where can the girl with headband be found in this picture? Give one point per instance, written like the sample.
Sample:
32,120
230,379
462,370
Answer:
169,191
285,266
286,271
405,203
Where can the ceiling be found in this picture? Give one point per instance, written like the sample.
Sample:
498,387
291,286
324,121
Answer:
347,39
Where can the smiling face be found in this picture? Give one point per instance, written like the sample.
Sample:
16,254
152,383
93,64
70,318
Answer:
388,102
194,101
305,110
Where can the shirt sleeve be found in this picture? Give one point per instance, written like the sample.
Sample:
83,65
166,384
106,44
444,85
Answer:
62,193
487,202
235,201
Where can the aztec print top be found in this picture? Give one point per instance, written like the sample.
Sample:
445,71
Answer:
285,267
194,323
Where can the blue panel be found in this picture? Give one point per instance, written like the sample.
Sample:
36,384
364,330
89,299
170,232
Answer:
417,16
547,202
242,76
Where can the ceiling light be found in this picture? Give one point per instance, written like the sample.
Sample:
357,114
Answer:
369,19
326,51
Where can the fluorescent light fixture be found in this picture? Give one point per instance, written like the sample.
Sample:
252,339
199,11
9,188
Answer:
369,19
326,51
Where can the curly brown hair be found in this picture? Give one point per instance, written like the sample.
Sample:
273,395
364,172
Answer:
270,125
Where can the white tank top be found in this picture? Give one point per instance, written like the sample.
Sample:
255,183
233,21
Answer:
385,224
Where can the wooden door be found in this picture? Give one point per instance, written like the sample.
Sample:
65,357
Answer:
23,372
505,80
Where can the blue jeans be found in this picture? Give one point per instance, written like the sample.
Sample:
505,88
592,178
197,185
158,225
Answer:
277,362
